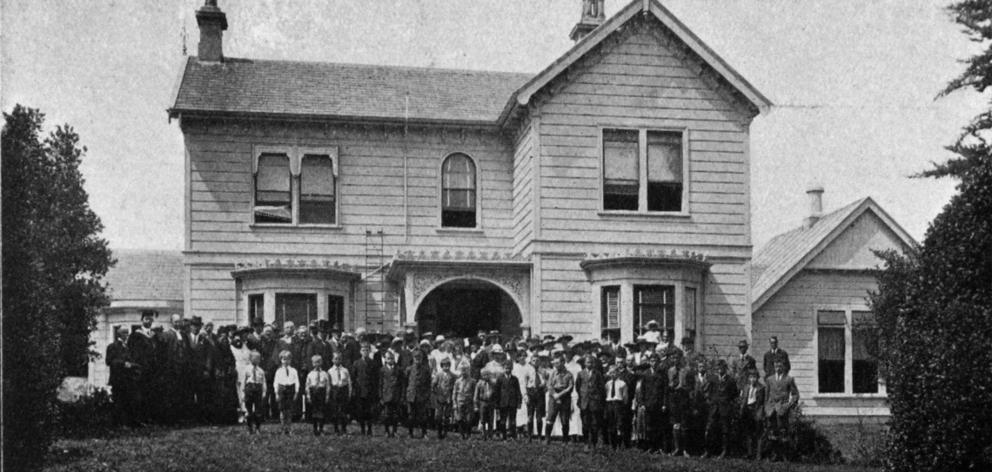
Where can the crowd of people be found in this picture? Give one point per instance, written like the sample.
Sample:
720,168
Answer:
648,394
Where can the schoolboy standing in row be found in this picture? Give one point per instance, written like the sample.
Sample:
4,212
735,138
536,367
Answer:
617,408
390,394
287,387
318,393
254,389
340,394
509,401
463,400
560,386
364,379
442,386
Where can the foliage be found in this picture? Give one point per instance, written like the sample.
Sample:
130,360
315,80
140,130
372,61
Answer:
934,306
231,448
91,415
53,264
811,445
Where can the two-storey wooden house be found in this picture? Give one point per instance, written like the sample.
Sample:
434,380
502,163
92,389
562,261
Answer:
607,190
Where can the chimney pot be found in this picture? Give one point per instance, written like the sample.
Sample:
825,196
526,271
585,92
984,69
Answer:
592,16
815,196
212,23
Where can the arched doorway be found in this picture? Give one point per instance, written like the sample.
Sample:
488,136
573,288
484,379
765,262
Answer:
462,307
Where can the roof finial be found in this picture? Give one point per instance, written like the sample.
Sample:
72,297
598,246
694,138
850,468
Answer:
593,15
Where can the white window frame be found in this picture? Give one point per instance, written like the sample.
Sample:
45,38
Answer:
627,306
848,392
440,228
295,155
642,163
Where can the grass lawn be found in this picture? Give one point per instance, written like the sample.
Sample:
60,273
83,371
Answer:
231,448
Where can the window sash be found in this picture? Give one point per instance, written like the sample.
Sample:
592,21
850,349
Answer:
621,156
654,302
664,156
273,173
458,199
611,307
317,176
300,308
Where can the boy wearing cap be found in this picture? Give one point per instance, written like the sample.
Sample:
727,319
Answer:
442,386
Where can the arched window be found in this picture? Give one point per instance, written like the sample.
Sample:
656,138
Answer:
273,191
458,197
317,190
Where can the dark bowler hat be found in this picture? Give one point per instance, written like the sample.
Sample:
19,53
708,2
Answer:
149,314
743,343
565,339
196,321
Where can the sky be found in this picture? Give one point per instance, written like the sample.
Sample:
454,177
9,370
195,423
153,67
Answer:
854,84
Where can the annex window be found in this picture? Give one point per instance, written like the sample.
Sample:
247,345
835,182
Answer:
847,351
300,308
273,189
317,190
654,302
644,170
864,342
458,192
830,356
256,307
621,175
664,171
610,310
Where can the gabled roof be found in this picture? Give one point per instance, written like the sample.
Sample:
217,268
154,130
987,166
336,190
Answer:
788,253
389,93
345,91
666,17
146,275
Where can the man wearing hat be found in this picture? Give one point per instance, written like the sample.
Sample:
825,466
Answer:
141,346
742,364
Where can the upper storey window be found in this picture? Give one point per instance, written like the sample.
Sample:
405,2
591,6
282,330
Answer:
273,189
458,192
317,190
295,186
644,171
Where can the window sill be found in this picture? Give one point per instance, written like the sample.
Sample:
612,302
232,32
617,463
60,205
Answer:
643,214
291,227
843,396
461,231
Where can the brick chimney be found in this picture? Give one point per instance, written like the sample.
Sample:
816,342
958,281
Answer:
814,194
212,23
592,16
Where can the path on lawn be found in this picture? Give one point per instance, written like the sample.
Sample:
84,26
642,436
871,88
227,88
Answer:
231,448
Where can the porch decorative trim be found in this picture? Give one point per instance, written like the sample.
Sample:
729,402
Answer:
296,267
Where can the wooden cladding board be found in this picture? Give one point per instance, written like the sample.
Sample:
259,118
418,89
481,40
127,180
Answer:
370,192
523,190
641,84
790,315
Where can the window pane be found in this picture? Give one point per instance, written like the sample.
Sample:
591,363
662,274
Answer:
610,308
654,302
256,307
317,176
335,311
689,321
458,172
664,156
458,200
273,173
664,196
300,308
620,155
831,359
864,340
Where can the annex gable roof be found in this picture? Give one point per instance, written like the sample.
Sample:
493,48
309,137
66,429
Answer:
145,275
295,89
788,253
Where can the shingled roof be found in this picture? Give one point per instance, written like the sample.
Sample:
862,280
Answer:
789,252
146,275
354,91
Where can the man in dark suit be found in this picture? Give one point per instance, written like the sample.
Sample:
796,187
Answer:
722,395
589,383
171,347
122,378
774,355
742,364
390,394
782,397
654,397
752,414
510,399
201,360
364,379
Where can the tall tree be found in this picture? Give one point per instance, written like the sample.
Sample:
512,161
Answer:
53,265
934,305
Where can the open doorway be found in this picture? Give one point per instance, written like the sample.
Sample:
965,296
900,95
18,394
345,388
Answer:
463,307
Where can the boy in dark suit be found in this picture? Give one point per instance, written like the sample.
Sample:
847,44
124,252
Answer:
752,414
774,355
722,395
364,379
510,399
592,398
390,394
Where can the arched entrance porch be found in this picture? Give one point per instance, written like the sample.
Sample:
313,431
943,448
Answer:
461,307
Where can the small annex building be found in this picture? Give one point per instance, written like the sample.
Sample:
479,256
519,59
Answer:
142,280
809,289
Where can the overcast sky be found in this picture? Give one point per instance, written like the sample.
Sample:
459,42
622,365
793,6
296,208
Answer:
854,83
